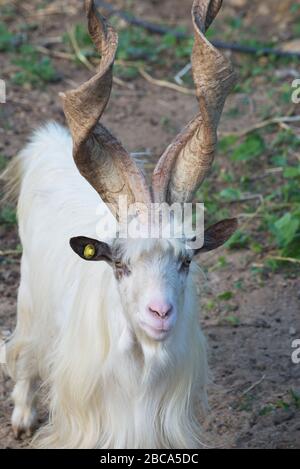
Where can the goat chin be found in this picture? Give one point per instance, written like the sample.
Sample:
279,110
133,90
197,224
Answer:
105,388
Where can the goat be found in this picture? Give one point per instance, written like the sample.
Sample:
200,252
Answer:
117,343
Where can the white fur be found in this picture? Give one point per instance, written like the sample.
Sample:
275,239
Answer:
108,384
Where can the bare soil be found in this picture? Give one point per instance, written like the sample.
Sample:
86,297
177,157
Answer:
254,379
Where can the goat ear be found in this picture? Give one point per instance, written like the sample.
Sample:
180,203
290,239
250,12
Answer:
90,249
216,235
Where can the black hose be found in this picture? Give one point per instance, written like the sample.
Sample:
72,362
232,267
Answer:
158,29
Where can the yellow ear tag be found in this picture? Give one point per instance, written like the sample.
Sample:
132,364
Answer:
89,251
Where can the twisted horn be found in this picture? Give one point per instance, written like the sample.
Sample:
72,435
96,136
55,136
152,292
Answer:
186,162
99,156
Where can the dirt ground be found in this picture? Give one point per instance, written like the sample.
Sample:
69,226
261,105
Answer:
254,395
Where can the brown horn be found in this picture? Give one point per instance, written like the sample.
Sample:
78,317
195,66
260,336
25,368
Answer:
100,157
186,162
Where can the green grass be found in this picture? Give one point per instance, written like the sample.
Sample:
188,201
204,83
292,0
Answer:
225,296
233,321
33,69
252,147
275,229
239,240
292,401
8,216
3,162
8,40
138,47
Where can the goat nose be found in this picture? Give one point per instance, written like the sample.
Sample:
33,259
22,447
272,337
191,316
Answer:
162,310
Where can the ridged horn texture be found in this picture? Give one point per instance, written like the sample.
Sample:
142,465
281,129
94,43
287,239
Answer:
184,165
100,157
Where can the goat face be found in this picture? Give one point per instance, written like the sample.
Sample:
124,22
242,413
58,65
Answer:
152,275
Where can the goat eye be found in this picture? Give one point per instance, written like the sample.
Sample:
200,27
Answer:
121,270
121,267
186,263
89,251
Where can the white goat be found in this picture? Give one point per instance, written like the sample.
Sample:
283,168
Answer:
117,343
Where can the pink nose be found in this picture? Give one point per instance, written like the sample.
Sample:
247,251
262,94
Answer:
161,309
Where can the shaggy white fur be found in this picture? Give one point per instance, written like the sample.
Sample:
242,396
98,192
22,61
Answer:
108,384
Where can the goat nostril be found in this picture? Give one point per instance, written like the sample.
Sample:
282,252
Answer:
168,310
161,311
153,311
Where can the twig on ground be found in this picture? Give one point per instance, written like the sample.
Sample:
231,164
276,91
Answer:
267,173
246,197
253,386
55,53
275,207
10,253
166,84
265,123
141,153
127,63
120,82
80,56
181,73
283,259
242,215
51,41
